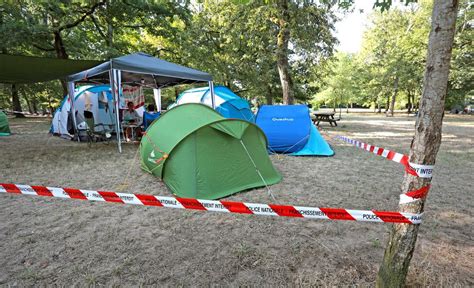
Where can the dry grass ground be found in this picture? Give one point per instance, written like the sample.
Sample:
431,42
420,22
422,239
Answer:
46,241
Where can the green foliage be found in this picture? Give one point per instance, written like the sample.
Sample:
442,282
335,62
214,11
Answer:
233,40
395,48
461,78
80,30
236,41
340,81
384,5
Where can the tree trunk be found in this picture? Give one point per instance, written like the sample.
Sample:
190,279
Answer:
269,95
50,105
394,97
28,103
34,103
425,144
388,104
61,54
282,53
16,103
409,102
377,103
176,93
110,35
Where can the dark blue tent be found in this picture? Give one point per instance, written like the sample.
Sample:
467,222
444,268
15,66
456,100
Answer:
289,130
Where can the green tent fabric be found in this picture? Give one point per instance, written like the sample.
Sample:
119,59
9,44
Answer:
4,127
28,69
200,154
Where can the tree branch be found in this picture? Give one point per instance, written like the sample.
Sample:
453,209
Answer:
42,48
97,26
80,20
133,26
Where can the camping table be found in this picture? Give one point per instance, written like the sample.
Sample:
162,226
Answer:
133,127
325,117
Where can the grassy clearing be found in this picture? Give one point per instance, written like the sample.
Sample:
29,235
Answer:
63,242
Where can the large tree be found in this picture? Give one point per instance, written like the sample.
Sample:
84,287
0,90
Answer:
426,141
304,40
395,48
255,48
80,30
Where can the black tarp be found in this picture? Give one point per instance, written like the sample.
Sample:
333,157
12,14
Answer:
29,69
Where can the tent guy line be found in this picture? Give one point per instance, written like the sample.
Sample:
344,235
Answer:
216,206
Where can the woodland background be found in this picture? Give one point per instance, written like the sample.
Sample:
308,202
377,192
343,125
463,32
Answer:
255,48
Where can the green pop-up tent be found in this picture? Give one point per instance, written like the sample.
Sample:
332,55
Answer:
4,127
200,154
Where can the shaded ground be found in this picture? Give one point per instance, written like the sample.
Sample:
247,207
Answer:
48,241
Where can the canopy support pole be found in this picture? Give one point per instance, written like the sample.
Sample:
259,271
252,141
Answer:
115,84
70,91
157,97
213,97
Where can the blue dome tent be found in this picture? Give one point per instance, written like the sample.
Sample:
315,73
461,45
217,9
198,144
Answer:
96,99
228,104
290,131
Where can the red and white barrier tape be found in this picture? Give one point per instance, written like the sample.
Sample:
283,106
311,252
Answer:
216,206
390,155
418,170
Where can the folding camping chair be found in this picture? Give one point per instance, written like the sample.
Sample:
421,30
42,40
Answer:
148,118
93,134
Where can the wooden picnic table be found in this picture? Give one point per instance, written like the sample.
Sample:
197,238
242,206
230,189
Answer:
324,117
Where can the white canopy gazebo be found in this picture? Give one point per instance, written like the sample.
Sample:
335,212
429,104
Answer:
141,69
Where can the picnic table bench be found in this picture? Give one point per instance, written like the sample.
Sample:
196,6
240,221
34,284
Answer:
325,117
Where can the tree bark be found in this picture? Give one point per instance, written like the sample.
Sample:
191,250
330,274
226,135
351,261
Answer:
409,101
426,142
34,103
58,40
282,53
269,95
50,106
16,103
110,29
394,97
176,93
61,54
28,103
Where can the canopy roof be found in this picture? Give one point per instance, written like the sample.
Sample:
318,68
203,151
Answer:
142,69
29,69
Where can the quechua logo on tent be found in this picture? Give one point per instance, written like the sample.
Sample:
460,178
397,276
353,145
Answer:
279,119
